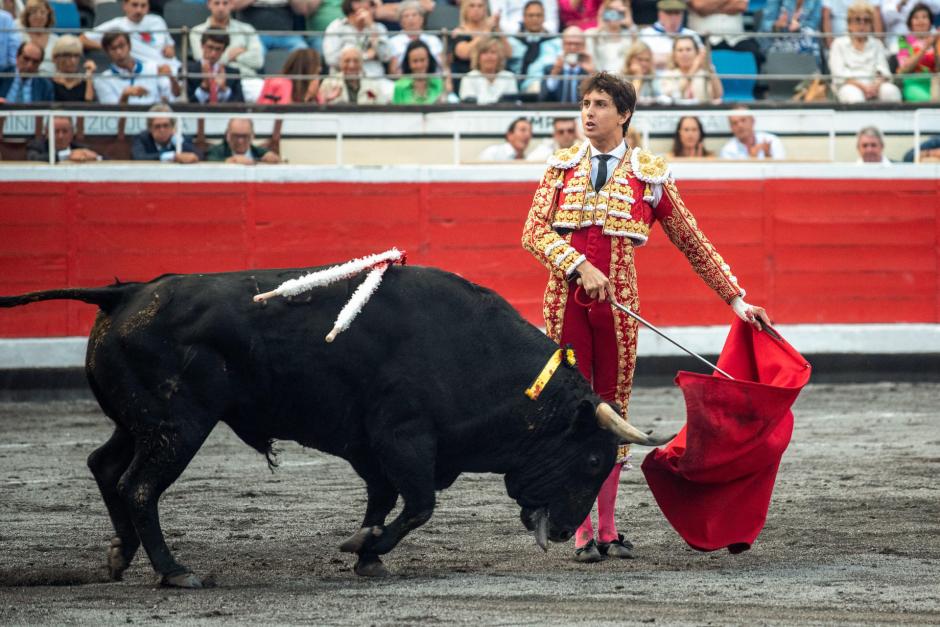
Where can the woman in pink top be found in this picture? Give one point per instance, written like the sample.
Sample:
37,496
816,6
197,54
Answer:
305,65
918,53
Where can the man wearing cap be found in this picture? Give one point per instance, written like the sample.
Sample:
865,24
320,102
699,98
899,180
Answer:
596,203
661,35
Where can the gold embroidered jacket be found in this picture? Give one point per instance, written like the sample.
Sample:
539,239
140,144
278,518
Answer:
640,192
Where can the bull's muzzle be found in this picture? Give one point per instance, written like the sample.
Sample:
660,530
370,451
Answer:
610,420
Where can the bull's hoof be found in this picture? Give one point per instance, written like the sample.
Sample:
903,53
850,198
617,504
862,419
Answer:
181,580
370,566
357,540
117,563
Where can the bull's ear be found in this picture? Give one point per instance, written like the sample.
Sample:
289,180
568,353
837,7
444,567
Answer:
584,419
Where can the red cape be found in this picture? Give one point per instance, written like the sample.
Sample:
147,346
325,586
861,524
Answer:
714,480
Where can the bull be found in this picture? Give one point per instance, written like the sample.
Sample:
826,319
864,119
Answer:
425,385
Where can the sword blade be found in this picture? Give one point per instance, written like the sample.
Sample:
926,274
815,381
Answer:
652,327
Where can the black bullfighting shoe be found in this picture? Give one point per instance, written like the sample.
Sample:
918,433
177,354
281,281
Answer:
588,554
621,547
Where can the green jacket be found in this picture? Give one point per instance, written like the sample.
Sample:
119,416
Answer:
221,152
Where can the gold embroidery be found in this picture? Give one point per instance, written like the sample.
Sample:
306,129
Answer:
684,233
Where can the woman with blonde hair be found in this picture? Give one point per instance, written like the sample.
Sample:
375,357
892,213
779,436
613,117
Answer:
858,61
38,14
66,55
687,81
487,82
303,68
638,69
610,40
476,24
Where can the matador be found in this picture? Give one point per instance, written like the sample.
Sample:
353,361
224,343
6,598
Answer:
595,205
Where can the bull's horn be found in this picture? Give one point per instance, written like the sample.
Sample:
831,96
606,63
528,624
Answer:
608,419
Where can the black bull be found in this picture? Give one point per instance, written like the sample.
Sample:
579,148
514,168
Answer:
427,383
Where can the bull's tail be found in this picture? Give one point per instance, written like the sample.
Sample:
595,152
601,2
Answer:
104,297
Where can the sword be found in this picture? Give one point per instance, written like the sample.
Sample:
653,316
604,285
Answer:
652,327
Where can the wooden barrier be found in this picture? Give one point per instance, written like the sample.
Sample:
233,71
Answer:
811,251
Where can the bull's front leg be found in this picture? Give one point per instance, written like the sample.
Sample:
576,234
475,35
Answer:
382,497
408,462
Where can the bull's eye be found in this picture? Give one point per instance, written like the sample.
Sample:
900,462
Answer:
594,463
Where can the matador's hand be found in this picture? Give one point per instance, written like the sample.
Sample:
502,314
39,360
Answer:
751,314
594,282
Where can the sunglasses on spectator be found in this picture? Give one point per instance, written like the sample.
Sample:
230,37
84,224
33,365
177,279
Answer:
68,54
159,125
860,20
35,60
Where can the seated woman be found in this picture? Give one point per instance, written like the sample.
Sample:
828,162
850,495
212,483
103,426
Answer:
918,53
415,87
476,24
349,86
691,78
609,42
487,82
304,64
66,55
858,61
411,17
638,69
688,142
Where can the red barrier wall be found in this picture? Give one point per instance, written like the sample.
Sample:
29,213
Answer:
812,251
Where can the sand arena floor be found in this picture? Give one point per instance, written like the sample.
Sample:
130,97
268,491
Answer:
853,535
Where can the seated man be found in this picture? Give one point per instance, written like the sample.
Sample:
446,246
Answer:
237,147
533,50
244,50
871,146
748,144
150,41
564,135
573,64
129,81
66,148
161,142
512,14
518,137
223,83
22,87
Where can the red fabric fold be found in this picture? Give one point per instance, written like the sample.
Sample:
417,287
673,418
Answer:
713,482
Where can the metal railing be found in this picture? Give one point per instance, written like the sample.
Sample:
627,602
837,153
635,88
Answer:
447,35
647,123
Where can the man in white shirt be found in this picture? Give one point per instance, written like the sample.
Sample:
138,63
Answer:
871,146
129,81
748,143
511,18
661,35
513,149
150,41
725,17
244,50
564,135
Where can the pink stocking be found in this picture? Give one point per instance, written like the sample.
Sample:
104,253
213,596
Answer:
606,506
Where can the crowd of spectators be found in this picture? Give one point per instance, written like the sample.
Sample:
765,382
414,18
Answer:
380,51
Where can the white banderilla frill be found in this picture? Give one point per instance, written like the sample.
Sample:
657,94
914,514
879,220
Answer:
378,263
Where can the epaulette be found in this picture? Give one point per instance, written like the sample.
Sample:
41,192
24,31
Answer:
567,158
649,168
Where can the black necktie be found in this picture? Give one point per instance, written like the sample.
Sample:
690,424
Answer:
601,177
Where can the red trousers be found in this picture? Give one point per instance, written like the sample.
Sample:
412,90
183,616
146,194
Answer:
590,331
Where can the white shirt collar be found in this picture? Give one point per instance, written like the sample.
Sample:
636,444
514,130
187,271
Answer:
618,152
